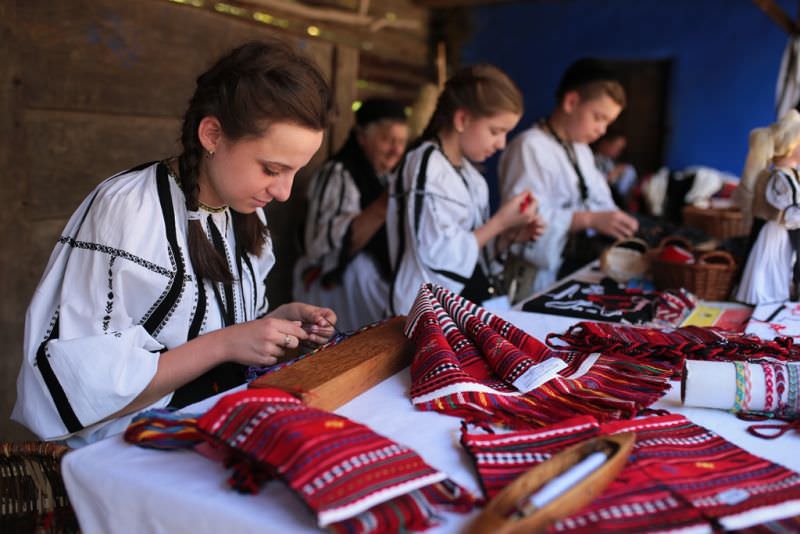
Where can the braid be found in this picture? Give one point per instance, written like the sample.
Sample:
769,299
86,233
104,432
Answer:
206,260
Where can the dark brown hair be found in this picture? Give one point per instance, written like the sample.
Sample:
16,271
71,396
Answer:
255,85
591,78
482,90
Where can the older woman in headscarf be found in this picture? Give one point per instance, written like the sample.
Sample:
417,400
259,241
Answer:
346,261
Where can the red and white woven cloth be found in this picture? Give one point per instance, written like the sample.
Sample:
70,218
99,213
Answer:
354,480
472,364
689,342
680,477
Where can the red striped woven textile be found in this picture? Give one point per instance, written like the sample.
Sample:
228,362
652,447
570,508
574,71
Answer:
679,476
352,478
468,361
692,342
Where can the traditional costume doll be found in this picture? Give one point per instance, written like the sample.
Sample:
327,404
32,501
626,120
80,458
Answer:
770,192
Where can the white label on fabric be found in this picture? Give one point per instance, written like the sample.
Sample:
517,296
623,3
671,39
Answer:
538,374
733,496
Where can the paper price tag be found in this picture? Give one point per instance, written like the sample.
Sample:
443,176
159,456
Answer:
539,374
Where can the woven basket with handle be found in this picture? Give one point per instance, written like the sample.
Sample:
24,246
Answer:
710,277
720,223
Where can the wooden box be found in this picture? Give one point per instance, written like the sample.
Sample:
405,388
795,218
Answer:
337,374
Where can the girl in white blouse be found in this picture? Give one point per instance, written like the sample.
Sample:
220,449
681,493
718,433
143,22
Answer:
438,221
155,294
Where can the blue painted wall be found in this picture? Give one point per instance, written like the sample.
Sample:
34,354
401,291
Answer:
725,59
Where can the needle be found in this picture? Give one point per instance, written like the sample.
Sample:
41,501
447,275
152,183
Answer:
336,330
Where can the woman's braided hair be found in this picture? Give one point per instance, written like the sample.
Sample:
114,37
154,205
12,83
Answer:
255,85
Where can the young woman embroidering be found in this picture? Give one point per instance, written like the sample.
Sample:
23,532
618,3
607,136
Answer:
155,293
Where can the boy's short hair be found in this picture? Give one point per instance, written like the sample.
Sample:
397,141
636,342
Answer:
591,78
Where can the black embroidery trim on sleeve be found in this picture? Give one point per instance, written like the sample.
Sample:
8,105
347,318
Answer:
60,399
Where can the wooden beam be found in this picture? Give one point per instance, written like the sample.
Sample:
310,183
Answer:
441,64
359,18
403,45
458,3
778,16
345,73
375,69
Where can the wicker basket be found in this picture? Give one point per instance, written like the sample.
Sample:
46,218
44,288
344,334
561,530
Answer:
32,493
720,223
710,277
625,259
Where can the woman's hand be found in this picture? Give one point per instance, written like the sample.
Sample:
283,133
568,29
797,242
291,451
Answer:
533,230
616,224
317,322
522,234
521,210
262,341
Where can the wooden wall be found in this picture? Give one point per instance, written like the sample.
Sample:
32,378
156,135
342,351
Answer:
91,87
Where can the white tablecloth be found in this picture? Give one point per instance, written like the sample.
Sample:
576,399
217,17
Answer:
116,487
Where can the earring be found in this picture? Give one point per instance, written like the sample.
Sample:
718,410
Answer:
459,129
209,154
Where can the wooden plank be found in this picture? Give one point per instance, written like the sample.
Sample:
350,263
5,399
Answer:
7,67
405,45
435,4
12,177
14,235
389,72
68,153
360,19
31,243
346,65
335,375
103,55
406,8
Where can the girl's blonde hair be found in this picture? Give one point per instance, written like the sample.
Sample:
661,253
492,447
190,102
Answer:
482,90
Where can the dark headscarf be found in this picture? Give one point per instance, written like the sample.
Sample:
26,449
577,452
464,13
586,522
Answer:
366,179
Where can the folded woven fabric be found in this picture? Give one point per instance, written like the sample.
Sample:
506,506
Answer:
354,480
679,476
340,468
472,364
164,429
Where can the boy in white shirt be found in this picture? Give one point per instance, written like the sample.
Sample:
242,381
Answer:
553,160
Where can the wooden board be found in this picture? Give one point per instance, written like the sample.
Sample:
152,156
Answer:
335,375
63,169
129,58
